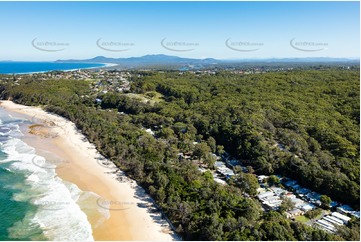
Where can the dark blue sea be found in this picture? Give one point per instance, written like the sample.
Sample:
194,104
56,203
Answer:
15,67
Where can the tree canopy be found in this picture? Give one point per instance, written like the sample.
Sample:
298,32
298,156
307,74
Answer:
302,124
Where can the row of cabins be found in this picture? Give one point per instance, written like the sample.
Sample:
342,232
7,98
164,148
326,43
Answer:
224,167
216,177
347,210
329,223
305,194
269,200
231,162
272,199
314,198
223,170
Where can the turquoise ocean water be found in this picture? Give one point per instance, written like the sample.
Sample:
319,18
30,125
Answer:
15,67
35,204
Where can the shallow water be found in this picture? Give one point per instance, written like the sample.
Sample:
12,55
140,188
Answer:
35,204
15,67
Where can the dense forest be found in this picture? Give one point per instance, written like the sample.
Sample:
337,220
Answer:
313,115
301,124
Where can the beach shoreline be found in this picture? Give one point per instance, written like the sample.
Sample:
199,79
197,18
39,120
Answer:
104,65
133,215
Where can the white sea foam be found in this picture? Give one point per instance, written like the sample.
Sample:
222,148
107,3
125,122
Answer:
4,131
8,170
58,214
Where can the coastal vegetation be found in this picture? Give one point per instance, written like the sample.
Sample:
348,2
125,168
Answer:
301,124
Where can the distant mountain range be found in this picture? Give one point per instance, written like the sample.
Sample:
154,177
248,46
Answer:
147,59
175,61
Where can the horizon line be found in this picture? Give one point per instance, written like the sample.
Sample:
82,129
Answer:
219,59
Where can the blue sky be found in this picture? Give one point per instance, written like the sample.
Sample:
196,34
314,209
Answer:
264,27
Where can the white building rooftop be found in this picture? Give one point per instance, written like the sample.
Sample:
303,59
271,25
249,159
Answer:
342,217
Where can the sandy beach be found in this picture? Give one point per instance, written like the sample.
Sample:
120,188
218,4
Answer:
132,213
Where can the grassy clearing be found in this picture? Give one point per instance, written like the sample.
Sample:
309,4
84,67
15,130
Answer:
151,97
301,219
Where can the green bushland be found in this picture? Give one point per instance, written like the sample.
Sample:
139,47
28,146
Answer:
312,115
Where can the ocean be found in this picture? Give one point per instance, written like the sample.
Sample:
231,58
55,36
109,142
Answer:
15,67
36,204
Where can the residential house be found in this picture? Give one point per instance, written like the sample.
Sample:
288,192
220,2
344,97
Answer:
294,212
307,207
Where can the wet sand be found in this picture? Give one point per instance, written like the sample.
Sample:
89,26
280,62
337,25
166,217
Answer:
132,215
